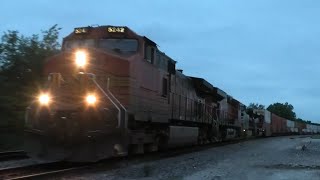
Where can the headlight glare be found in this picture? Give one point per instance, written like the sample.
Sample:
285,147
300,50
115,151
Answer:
91,99
81,58
44,99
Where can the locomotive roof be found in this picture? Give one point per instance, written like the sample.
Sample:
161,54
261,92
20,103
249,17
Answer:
149,41
202,82
205,87
103,31
232,100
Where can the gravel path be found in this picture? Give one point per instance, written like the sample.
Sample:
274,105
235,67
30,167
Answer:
269,158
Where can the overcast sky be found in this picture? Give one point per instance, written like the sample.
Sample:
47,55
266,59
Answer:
262,51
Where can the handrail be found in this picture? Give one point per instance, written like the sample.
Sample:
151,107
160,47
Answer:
122,115
126,117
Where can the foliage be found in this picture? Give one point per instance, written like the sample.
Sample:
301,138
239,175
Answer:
255,106
21,62
284,110
304,121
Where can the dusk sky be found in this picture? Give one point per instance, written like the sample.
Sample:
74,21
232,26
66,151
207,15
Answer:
261,51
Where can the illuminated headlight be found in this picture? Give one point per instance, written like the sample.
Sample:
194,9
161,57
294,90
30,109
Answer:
91,99
244,130
81,58
44,99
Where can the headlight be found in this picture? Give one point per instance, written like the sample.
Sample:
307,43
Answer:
91,99
44,99
244,130
81,58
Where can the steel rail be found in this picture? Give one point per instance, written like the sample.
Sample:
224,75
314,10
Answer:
38,170
13,155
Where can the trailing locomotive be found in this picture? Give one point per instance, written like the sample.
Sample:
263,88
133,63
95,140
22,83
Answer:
111,91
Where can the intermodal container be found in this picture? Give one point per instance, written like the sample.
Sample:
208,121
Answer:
278,124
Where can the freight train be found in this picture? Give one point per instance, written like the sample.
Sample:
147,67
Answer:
111,92
271,124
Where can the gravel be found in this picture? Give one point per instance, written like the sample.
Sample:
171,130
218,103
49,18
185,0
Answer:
268,158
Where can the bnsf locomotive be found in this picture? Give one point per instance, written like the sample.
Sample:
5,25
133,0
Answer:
111,91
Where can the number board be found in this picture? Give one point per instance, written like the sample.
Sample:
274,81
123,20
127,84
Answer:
81,30
114,29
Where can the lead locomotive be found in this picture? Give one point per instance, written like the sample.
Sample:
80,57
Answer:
111,91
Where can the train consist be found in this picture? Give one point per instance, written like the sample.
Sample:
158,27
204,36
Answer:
111,92
270,124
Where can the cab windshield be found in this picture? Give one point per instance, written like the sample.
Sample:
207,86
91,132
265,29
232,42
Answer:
121,46
81,43
118,46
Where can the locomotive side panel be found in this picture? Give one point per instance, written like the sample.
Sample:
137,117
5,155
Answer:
149,99
184,103
148,103
230,111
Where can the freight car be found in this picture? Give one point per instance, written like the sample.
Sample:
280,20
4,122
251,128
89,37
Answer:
111,91
263,122
274,125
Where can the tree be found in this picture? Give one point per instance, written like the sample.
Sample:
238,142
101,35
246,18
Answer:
21,62
300,120
255,106
284,110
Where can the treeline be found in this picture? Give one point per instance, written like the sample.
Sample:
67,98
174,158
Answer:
284,110
21,61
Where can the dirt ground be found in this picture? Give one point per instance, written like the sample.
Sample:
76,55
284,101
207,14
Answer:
269,159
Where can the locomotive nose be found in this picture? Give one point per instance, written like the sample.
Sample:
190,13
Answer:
87,60
77,110
65,133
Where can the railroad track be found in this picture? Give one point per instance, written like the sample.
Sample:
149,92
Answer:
40,170
12,155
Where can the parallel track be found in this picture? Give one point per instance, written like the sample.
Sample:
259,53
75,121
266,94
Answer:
39,170
12,155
